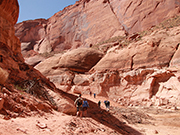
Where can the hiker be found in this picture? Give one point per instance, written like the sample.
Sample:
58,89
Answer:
85,107
78,103
94,95
107,104
99,103
90,93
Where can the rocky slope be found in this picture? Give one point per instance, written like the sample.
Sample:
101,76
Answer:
24,90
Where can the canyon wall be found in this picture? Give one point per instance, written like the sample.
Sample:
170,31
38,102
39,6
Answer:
146,72
89,22
134,70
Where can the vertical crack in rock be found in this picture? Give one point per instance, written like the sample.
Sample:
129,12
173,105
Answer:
45,29
177,46
152,87
137,7
132,62
128,7
157,4
124,27
84,2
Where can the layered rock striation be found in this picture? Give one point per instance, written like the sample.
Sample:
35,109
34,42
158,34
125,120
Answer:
89,22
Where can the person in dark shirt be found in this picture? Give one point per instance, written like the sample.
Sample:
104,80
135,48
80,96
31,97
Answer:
78,103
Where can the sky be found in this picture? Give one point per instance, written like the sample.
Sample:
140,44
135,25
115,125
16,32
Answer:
35,9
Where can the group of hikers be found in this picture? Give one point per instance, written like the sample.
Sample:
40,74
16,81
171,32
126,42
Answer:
82,106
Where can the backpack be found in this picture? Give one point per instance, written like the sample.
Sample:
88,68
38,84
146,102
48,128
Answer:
85,104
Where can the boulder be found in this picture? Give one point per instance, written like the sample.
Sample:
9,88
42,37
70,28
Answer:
80,60
33,61
46,66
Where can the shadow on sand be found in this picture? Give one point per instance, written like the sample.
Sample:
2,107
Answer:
104,117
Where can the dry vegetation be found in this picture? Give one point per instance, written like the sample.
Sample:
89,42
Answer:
126,40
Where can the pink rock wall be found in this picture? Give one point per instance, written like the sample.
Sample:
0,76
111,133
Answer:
89,22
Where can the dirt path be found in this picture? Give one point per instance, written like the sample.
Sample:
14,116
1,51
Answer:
118,121
147,121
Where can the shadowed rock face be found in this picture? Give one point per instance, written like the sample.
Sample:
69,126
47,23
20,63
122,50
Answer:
9,10
14,71
10,50
88,22
8,17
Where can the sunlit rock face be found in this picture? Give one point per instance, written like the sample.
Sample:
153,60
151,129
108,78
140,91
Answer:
89,22
139,15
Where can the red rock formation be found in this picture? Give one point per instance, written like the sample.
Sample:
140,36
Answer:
138,15
19,78
138,74
8,17
89,22
80,60
130,75
155,50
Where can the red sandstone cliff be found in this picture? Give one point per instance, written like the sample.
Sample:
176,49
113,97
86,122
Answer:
133,71
89,22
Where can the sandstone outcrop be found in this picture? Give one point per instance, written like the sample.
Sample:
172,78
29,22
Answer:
87,23
80,60
24,90
155,50
14,72
138,15
34,60
46,66
8,18
30,34
137,74
4,76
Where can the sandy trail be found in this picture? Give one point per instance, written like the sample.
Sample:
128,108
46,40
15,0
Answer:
119,120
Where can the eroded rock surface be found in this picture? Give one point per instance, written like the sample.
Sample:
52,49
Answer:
137,73
154,50
24,90
80,60
87,23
